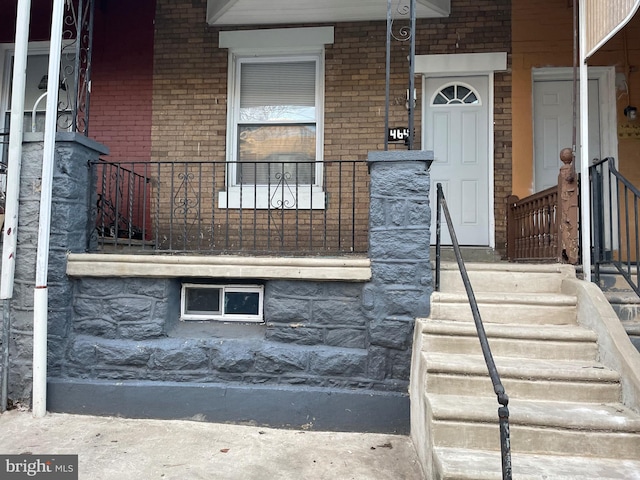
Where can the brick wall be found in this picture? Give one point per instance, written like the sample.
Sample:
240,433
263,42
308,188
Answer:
172,104
190,83
122,78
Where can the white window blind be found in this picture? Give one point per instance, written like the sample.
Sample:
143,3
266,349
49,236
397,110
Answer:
278,92
277,123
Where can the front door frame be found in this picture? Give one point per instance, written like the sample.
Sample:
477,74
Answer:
463,65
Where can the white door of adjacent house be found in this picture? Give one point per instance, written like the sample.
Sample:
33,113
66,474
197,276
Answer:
457,130
553,127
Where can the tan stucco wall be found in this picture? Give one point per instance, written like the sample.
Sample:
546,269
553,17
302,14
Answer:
542,37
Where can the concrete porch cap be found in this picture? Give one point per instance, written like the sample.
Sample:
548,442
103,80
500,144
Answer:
354,269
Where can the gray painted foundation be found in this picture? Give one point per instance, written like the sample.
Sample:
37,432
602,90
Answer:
277,406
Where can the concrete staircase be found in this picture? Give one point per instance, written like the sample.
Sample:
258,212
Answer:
568,419
623,299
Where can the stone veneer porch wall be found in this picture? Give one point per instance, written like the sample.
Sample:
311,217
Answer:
332,355
72,204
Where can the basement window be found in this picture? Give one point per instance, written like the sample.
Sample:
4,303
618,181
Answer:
228,303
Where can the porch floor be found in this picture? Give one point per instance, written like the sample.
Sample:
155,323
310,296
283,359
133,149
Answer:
469,254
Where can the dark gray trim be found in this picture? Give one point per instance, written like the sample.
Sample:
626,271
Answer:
270,406
68,137
401,156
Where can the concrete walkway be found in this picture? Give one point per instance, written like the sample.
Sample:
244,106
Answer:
122,449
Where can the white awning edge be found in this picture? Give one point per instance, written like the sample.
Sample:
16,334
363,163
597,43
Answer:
604,20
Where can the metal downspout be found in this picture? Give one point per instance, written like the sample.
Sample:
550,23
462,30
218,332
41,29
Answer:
14,164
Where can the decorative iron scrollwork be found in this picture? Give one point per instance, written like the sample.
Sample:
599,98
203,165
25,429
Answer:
186,202
283,196
402,12
77,46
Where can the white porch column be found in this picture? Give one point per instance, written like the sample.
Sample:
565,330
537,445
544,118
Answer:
14,160
585,204
40,306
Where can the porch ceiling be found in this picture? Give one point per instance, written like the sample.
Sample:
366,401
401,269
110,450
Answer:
263,12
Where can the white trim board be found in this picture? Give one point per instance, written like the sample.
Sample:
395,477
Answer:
461,63
276,38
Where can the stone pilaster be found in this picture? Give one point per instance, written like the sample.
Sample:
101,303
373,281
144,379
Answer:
399,237
72,200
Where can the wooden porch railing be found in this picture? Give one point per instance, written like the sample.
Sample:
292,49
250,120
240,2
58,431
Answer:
544,226
532,226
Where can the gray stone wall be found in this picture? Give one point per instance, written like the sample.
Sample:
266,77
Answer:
71,206
317,334
319,338
399,237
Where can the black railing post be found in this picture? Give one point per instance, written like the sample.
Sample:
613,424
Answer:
598,206
621,193
439,196
505,442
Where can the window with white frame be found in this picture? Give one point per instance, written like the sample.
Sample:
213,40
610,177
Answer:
35,90
275,118
230,303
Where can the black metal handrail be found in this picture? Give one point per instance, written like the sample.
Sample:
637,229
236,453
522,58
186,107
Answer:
498,388
615,229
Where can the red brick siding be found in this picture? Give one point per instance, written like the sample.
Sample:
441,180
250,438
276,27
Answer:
122,78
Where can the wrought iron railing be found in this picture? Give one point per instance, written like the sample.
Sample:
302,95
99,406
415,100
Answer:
533,227
498,388
220,207
615,227
76,56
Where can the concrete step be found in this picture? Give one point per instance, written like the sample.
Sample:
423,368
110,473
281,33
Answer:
521,308
559,380
533,341
540,427
632,327
625,304
611,280
505,277
463,464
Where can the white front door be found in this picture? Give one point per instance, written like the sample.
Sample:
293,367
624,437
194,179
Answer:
457,130
553,127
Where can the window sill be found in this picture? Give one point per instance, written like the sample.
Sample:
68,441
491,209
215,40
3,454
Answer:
274,197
